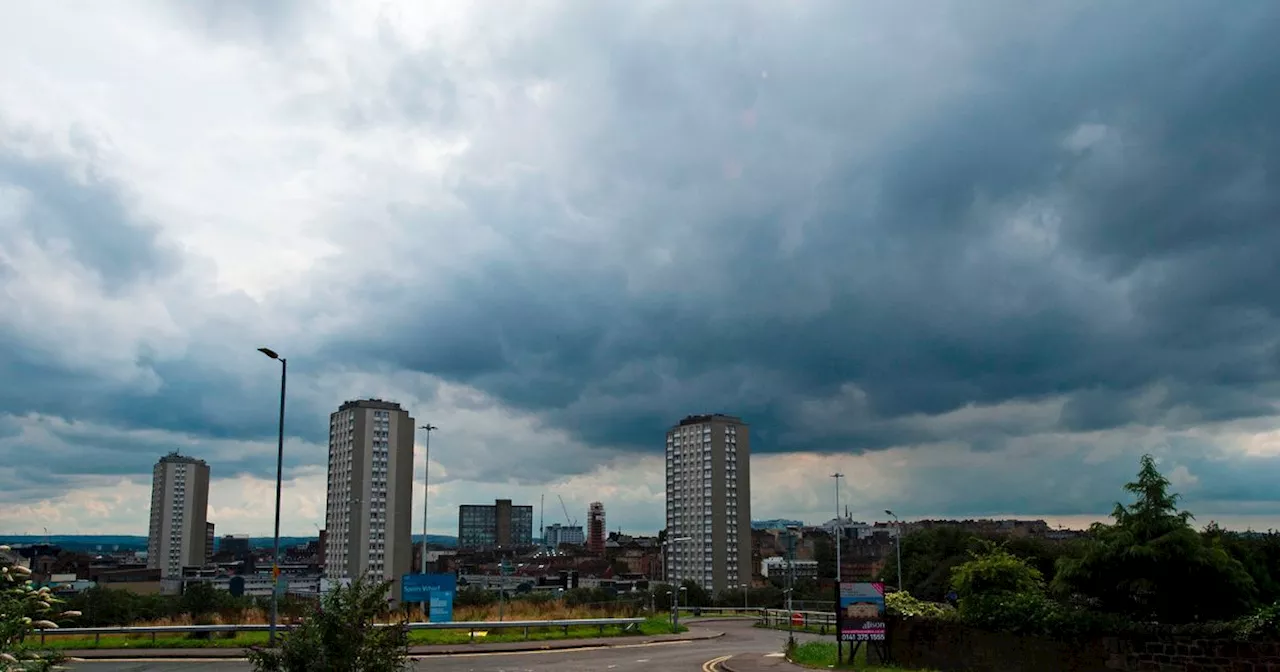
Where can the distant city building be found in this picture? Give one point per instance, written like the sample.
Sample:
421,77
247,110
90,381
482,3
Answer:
776,567
595,528
709,502
236,545
775,524
369,506
557,534
179,507
208,543
497,525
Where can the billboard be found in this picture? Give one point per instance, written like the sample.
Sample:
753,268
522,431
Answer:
436,589
861,612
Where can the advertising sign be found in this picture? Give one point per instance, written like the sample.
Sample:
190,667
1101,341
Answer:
861,615
435,589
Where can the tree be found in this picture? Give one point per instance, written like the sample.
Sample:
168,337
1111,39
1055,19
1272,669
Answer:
694,595
23,609
1149,564
342,634
824,552
995,570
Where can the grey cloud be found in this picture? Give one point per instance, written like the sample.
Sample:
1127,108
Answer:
907,276
62,203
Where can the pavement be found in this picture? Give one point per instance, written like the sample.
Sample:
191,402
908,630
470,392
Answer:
707,646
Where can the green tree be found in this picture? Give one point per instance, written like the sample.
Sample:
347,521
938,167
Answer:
694,595
24,609
928,557
1150,564
342,635
995,570
824,552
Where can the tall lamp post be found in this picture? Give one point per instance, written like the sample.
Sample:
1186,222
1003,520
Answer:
897,539
744,596
839,527
675,603
426,473
275,546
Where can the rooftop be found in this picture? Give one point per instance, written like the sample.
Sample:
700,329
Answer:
181,459
710,417
371,403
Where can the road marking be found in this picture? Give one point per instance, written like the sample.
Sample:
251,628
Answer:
713,665
413,657
542,651
643,660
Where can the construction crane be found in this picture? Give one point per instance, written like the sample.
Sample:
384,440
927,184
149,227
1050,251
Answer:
572,521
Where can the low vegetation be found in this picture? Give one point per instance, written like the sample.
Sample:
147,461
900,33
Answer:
822,655
23,609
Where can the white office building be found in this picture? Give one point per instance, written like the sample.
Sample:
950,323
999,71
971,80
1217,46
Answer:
369,507
709,502
177,534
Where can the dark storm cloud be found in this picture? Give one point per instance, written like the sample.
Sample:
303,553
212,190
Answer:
1089,213
86,212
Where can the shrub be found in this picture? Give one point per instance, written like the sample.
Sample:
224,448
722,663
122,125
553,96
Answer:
341,635
905,605
23,609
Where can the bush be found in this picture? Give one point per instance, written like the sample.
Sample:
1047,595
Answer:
23,609
904,605
341,635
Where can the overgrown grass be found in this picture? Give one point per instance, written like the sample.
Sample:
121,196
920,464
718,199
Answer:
658,625
822,655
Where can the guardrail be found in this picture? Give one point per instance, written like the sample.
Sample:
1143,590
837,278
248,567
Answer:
471,626
823,620
720,611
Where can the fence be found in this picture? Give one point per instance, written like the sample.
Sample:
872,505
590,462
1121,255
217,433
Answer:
471,626
823,621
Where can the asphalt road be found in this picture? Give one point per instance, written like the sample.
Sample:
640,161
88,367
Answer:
739,637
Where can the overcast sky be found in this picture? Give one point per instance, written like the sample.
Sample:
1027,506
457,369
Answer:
978,256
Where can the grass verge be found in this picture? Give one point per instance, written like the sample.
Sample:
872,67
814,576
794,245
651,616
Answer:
658,625
822,655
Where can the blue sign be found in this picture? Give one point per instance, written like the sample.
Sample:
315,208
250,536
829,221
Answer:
436,589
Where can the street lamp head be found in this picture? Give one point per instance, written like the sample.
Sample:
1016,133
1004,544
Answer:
890,513
269,352
429,427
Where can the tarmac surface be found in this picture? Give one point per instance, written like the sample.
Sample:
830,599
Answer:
717,641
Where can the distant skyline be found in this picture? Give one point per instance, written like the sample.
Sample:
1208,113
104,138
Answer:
977,257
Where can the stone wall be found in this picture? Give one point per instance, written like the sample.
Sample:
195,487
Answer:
953,647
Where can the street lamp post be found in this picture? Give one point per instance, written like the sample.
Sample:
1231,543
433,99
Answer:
839,526
275,546
426,468
675,603
744,597
897,541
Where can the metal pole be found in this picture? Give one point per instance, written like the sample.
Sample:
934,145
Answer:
275,552
744,597
426,466
839,531
897,542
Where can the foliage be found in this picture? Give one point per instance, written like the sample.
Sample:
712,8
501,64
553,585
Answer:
904,605
1151,565
1259,554
824,552
995,570
23,609
695,595
341,635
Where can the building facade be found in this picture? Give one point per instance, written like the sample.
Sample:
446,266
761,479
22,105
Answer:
369,506
208,542
709,502
497,525
557,534
595,528
176,536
